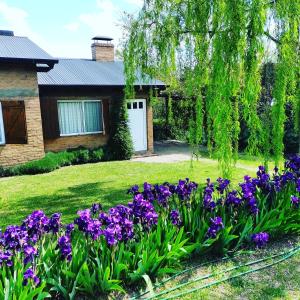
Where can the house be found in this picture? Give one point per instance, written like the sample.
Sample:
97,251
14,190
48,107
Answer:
50,104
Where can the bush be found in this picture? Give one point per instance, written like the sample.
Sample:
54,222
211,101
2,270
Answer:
120,145
53,161
97,155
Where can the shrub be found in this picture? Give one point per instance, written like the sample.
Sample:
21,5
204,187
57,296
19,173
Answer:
53,161
97,155
120,145
105,251
81,156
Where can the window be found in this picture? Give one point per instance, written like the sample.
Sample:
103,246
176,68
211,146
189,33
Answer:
80,117
2,135
134,105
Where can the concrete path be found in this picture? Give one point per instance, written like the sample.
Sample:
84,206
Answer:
174,151
167,152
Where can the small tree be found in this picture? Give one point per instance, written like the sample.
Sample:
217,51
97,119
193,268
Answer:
120,145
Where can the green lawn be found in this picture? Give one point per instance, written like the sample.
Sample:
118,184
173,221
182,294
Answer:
72,188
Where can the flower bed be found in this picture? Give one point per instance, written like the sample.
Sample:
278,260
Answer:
107,251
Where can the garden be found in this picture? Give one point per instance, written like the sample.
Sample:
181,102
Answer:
111,251
127,230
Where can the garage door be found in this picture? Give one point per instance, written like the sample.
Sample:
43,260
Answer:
137,123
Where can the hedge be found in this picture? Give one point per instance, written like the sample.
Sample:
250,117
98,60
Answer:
53,161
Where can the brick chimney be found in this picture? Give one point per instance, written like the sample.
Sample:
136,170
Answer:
103,49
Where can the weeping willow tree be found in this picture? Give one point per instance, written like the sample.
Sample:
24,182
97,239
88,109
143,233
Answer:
214,51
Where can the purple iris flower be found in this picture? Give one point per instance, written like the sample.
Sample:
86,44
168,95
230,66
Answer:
96,207
36,224
30,275
222,185
65,247
295,201
30,253
6,258
208,202
175,218
260,239
54,223
69,229
143,212
233,199
215,227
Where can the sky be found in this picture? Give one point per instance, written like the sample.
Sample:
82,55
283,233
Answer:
64,28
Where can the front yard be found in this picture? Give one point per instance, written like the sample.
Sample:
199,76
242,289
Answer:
72,188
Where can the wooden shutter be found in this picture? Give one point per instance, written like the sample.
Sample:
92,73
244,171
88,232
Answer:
14,119
49,113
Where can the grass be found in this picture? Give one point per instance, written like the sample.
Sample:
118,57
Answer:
72,188
282,281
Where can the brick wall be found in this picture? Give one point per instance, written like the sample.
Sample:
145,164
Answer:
67,142
20,83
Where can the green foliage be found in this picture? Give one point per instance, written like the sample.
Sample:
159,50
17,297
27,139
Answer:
120,145
212,52
53,161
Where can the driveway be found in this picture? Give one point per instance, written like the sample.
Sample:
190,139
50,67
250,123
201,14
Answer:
175,151
167,152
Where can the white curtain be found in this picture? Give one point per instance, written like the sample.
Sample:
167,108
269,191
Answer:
93,116
80,117
2,134
70,117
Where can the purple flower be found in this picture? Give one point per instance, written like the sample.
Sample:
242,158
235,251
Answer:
215,227
133,190
208,202
233,199
29,254
113,234
36,224
96,207
69,229
15,237
29,275
298,185
6,258
295,201
65,247
260,239
54,223
175,218
163,194
83,220
143,212
222,185
185,188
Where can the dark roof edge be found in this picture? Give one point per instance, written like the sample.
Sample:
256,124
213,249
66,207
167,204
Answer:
29,60
99,85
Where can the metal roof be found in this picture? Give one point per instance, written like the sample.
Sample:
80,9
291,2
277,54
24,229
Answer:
16,48
83,72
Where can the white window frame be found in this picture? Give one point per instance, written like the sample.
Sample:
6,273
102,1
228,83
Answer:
2,133
82,105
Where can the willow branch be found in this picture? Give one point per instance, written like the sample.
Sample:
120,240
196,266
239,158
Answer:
267,34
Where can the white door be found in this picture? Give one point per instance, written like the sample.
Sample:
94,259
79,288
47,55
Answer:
137,123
